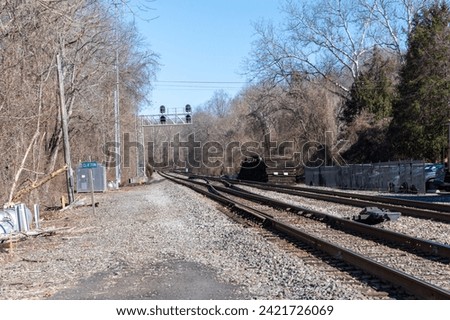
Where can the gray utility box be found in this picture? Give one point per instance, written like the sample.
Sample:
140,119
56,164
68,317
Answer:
98,177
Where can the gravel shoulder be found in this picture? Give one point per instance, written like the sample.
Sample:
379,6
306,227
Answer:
158,241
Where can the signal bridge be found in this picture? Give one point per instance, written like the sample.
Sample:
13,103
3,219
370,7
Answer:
164,118
168,118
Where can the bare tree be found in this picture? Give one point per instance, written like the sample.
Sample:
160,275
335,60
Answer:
32,33
329,39
219,104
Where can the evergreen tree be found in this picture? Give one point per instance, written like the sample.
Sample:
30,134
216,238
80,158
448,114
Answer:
374,90
417,129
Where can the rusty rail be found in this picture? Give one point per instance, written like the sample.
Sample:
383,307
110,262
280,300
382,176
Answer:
411,284
417,209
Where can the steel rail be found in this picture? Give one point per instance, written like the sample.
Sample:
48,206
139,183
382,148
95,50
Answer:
214,195
411,284
412,243
405,207
390,200
417,209
407,242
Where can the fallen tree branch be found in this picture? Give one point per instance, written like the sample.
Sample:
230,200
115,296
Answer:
22,166
5,240
37,184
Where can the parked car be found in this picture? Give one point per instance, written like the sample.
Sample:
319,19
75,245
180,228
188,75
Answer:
434,175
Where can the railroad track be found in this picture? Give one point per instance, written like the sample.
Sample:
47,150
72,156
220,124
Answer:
417,209
312,228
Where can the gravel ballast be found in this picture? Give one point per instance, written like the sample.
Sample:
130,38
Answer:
158,241
421,228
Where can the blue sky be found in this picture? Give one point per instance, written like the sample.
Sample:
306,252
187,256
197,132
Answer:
200,41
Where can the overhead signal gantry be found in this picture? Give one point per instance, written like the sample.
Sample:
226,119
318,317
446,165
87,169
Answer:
168,118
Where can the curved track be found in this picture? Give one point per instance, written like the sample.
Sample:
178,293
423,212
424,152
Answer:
419,284
417,209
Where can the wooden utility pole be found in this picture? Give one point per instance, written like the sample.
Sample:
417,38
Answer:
117,108
65,131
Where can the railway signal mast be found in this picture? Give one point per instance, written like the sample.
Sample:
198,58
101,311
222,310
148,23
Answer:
166,118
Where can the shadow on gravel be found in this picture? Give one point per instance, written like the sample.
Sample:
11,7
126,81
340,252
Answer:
171,280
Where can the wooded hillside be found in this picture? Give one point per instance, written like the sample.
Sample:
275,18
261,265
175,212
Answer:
85,34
